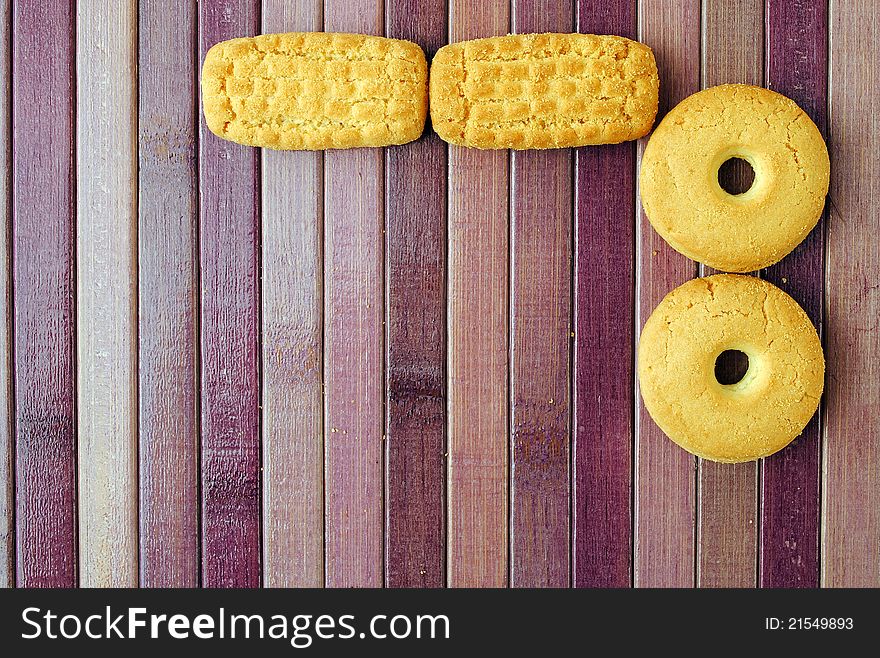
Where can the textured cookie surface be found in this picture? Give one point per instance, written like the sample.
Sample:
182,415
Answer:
315,90
543,91
689,208
775,399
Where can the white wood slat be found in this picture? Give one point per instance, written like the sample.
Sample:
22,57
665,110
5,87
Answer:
293,445
106,134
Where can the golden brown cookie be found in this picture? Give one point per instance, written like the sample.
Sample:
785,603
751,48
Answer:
315,90
689,208
538,91
773,401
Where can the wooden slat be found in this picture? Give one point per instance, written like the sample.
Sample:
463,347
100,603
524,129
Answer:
353,360
733,44
665,479
230,329
603,341
168,294
106,238
540,333
415,263
727,518
797,47
851,485
727,505
477,352
293,449
43,216
7,449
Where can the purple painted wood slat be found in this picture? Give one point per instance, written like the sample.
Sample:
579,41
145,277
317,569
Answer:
293,399
43,272
665,479
540,333
477,534
851,483
353,427
603,341
230,330
168,293
727,504
415,262
7,448
797,45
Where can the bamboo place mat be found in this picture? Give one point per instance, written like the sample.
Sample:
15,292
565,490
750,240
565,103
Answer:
402,367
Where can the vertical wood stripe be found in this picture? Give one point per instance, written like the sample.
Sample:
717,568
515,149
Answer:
732,51
415,380
106,239
7,448
602,374
168,294
851,485
477,500
230,329
293,444
797,48
665,478
353,365
43,219
727,540
540,331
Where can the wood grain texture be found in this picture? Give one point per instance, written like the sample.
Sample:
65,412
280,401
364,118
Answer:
230,330
727,504
293,443
727,524
733,45
106,238
168,294
665,480
797,66
353,360
850,485
477,356
7,447
540,333
602,374
415,367
43,216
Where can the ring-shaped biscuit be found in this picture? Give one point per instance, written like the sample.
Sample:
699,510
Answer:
735,232
769,406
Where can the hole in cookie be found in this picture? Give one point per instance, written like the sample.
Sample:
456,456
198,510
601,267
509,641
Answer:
731,366
735,176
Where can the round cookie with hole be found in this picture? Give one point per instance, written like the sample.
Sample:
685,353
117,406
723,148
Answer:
735,230
693,331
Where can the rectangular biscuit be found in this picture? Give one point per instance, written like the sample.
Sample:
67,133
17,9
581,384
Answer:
315,90
543,91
